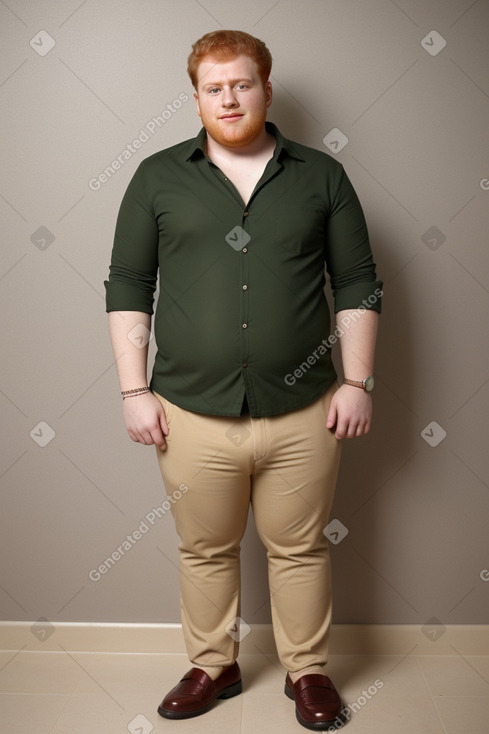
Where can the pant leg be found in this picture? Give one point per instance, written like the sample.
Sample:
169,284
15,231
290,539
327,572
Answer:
210,456
292,491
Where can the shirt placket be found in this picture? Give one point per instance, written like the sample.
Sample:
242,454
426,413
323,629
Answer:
242,234
244,294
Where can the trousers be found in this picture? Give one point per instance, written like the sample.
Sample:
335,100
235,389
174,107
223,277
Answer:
285,467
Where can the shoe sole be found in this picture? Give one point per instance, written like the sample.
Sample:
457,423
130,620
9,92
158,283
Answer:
233,690
330,725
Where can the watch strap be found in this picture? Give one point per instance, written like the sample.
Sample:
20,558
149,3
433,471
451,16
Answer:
367,384
355,383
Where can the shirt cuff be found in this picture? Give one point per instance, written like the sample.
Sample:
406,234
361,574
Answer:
121,296
366,295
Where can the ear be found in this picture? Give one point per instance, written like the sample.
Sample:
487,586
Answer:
196,97
268,93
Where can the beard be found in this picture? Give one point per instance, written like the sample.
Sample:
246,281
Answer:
235,134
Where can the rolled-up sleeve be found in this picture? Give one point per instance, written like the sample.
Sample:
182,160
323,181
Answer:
348,256
134,263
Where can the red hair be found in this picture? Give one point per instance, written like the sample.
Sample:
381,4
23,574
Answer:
225,45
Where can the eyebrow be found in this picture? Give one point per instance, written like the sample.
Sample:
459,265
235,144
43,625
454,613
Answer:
232,82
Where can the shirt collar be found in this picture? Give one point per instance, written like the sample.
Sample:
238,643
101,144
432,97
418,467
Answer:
282,144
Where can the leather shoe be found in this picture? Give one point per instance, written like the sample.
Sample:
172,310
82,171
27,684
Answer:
317,702
196,693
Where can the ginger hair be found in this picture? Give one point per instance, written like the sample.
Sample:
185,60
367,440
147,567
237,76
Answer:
226,45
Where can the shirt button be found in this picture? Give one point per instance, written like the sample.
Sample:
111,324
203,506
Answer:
245,287
245,326
245,214
245,249
245,364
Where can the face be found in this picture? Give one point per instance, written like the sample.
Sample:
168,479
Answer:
231,100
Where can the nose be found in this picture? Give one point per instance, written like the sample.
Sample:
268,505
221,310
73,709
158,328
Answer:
229,97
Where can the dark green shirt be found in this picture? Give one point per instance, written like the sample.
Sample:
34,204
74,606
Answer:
241,305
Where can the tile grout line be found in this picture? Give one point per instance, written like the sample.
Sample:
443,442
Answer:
431,695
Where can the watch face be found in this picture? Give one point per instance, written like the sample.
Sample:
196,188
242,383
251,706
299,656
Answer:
369,383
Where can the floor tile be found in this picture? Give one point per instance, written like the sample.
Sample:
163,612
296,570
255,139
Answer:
464,714
94,713
29,714
455,676
96,693
396,715
35,672
270,714
394,675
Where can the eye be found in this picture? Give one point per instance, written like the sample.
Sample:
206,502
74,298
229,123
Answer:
241,86
214,89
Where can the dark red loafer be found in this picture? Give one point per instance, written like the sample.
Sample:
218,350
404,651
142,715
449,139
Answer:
196,693
317,702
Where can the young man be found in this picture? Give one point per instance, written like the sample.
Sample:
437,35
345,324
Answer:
244,406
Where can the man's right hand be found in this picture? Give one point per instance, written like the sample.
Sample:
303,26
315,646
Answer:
145,420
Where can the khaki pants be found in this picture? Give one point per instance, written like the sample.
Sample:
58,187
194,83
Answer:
285,466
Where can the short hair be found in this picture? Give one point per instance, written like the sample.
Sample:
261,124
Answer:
225,45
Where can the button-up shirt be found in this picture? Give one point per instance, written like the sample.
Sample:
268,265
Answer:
241,305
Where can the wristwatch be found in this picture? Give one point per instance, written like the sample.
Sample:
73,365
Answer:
367,384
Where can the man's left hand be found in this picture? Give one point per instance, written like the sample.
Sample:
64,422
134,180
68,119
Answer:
350,412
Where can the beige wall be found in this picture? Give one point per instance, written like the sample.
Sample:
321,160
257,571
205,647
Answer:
417,125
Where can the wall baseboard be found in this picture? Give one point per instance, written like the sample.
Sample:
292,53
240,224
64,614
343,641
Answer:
346,639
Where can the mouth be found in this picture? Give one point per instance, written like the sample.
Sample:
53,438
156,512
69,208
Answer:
231,118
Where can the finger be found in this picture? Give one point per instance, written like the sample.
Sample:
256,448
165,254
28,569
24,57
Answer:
164,425
148,438
341,429
158,439
363,429
136,436
353,429
347,429
331,419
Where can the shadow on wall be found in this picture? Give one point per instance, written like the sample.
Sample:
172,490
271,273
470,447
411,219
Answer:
370,462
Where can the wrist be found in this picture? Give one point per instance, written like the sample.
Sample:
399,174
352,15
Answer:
366,384
135,392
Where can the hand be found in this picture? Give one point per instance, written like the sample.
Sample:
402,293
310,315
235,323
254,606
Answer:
145,420
350,412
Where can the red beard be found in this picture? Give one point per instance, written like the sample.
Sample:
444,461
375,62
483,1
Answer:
235,134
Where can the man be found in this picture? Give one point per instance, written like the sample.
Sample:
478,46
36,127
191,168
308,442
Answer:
244,406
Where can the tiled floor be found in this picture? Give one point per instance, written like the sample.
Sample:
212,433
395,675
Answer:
93,693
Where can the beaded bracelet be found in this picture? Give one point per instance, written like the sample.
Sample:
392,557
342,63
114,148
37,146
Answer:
133,393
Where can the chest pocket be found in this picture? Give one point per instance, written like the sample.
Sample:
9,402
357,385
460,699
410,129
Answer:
298,229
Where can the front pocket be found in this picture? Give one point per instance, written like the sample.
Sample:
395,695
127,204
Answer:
298,228
167,407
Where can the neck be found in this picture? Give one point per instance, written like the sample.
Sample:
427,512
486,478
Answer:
261,144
